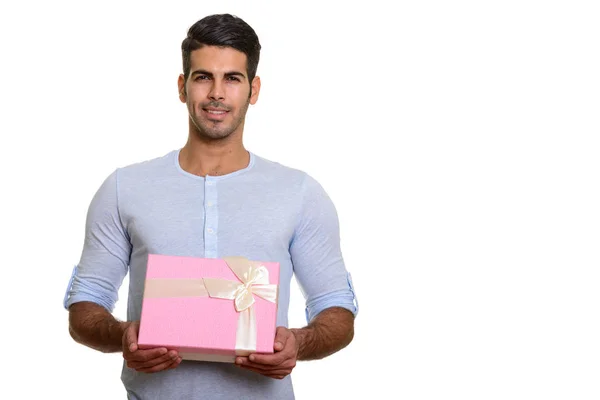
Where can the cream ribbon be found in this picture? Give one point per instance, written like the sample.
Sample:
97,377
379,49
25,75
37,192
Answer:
253,280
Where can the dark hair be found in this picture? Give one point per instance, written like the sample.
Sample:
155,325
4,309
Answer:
223,30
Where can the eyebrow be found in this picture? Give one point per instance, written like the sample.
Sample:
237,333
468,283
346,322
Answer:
211,75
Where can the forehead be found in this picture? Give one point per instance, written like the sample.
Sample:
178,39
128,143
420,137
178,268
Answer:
218,59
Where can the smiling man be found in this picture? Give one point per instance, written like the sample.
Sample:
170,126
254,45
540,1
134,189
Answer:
212,198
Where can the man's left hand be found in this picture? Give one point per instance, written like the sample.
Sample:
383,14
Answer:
279,364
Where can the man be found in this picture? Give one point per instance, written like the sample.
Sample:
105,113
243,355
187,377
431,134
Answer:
212,198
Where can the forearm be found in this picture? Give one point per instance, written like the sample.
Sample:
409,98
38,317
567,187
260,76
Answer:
92,325
329,332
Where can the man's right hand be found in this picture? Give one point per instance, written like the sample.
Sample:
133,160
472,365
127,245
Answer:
146,360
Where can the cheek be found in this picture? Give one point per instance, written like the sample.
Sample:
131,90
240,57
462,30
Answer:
238,91
193,101
195,95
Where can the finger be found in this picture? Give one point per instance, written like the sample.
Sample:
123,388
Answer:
131,339
170,356
287,364
276,374
270,359
170,364
175,363
281,337
145,355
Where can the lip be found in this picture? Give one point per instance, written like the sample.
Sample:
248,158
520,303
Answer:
215,113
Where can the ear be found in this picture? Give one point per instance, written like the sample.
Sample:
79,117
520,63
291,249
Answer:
255,90
181,88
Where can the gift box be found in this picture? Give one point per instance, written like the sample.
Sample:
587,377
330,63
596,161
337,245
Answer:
209,309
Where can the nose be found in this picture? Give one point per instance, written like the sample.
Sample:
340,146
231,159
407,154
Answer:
216,92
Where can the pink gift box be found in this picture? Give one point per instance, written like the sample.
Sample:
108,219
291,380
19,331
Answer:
181,309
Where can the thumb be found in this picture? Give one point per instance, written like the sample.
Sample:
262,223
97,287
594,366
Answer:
281,336
131,337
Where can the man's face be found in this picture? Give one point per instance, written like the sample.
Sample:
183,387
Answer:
217,91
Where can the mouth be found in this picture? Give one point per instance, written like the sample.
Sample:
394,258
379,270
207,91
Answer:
215,113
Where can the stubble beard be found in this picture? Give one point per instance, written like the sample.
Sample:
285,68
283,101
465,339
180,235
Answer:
218,130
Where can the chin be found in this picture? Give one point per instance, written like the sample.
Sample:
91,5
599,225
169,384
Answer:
215,135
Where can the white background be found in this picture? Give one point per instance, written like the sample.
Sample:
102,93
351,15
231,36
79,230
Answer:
458,140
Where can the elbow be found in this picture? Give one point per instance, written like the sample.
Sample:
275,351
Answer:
350,336
345,320
74,335
340,325
77,322
73,330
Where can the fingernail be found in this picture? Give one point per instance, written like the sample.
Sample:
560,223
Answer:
238,361
174,355
251,358
163,351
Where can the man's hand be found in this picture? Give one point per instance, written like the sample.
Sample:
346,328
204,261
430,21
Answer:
147,360
279,364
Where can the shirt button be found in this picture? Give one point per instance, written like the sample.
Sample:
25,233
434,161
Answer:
209,183
209,204
209,230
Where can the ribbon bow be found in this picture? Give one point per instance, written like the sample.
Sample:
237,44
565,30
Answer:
253,280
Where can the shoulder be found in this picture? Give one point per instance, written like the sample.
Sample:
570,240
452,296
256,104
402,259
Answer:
305,187
138,175
142,174
276,169
277,172
149,167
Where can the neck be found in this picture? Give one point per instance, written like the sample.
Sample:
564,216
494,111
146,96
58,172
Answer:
203,157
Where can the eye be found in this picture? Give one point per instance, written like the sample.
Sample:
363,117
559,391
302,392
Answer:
202,78
233,78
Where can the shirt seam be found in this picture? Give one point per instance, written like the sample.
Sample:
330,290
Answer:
217,178
118,205
301,209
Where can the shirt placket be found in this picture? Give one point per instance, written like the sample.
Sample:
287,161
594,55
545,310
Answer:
211,220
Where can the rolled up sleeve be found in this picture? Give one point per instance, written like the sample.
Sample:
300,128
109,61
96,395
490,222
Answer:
316,255
104,261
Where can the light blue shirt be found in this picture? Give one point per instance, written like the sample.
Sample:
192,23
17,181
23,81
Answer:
265,211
